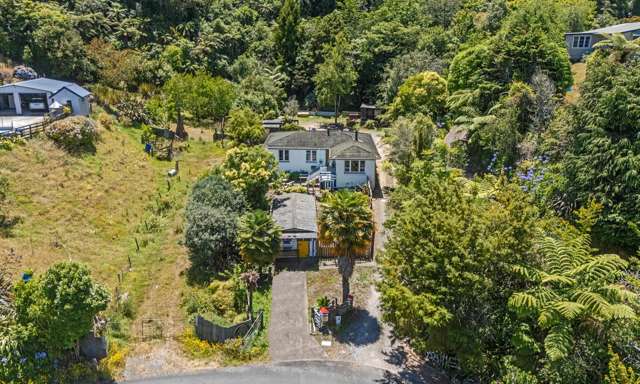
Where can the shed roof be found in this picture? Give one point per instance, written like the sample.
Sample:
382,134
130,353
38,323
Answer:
339,143
295,212
618,28
51,85
456,134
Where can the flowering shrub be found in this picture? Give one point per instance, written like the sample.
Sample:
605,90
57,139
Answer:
74,134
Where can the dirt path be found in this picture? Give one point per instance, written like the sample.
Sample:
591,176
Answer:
289,337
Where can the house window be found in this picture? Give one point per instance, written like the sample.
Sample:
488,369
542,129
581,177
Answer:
581,41
312,156
353,166
283,154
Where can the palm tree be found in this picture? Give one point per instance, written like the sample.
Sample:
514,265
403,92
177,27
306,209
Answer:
573,287
346,221
259,242
619,46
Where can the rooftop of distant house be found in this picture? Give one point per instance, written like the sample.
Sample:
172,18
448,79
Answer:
50,85
618,28
341,144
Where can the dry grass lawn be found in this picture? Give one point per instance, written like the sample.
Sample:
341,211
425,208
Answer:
327,282
92,208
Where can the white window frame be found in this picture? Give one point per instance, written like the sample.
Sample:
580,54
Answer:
354,166
311,156
581,41
283,155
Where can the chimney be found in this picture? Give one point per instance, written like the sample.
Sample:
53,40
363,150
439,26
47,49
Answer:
356,135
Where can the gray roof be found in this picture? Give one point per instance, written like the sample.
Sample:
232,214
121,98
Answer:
51,85
295,212
341,145
455,134
618,28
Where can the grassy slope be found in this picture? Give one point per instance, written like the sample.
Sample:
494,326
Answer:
90,208
578,71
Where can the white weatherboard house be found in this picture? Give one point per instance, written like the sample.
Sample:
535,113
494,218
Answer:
581,43
336,159
37,96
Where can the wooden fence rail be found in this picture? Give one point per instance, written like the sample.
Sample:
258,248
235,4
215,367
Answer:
31,130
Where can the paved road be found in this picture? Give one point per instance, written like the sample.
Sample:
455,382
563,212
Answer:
288,329
298,372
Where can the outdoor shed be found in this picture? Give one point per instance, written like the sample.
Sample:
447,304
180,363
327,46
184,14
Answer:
38,96
296,214
370,112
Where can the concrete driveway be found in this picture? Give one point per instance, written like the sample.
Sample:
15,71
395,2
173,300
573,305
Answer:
289,337
298,372
13,122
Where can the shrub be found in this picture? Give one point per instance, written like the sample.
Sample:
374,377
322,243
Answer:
133,109
211,222
105,120
196,348
74,134
223,297
115,362
291,127
60,305
245,127
370,124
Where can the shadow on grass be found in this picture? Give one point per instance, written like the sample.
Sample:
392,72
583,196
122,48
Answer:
7,224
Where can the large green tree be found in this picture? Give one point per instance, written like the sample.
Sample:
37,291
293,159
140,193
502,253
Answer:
424,93
245,127
287,35
446,268
409,138
60,304
211,226
251,170
346,221
336,75
603,158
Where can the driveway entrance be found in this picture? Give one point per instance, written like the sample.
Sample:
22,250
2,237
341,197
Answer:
289,337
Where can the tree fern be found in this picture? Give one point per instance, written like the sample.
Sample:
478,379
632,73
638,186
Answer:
572,287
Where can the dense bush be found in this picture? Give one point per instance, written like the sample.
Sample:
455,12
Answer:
52,312
245,127
210,233
75,134
251,170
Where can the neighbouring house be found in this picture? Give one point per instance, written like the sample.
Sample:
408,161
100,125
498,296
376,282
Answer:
296,214
39,96
336,159
580,44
